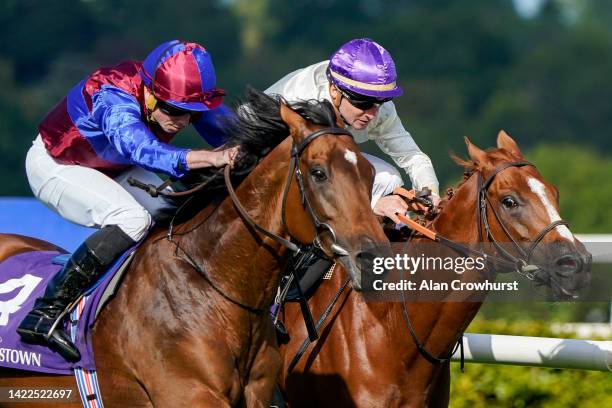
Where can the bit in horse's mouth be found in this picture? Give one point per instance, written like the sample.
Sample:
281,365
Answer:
570,295
544,278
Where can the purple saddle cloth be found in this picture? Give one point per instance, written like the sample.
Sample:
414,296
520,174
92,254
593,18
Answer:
23,278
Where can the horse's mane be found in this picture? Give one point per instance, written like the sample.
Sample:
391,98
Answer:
257,128
469,167
495,155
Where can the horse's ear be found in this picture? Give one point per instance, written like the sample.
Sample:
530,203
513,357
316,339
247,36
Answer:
477,155
296,123
504,141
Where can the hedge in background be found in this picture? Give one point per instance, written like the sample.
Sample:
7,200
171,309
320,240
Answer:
484,385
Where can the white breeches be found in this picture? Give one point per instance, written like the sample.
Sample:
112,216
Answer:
386,180
88,197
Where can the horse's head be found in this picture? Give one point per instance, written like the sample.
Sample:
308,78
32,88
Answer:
522,215
333,208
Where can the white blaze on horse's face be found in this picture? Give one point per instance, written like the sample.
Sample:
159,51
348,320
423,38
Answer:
540,190
350,157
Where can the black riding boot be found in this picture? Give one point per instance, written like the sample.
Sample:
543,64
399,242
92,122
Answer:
85,265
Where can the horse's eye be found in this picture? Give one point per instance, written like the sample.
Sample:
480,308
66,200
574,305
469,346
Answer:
509,202
318,175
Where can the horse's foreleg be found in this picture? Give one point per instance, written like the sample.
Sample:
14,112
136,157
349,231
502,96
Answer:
262,377
440,388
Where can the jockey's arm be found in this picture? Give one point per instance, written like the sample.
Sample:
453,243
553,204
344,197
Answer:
122,124
120,116
390,135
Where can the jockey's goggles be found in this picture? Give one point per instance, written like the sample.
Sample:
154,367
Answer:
213,99
362,102
171,110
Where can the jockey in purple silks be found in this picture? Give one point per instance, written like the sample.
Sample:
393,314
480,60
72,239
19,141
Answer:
360,80
113,125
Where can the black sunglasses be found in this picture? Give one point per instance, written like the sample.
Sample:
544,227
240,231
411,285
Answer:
172,110
363,103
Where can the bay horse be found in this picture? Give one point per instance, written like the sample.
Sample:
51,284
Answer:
366,355
189,325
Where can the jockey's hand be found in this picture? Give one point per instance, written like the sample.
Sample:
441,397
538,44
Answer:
389,206
435,199
197,159
227,156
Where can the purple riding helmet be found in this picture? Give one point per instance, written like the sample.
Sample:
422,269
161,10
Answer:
364,67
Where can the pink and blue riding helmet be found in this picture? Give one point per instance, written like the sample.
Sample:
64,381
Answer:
182,74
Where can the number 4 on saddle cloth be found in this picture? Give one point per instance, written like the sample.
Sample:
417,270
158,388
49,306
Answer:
23,278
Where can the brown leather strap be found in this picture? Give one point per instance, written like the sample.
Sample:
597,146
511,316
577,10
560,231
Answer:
409,194
247,218
157,191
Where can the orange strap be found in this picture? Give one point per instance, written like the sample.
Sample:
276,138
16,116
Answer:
409,194
417,227
413,204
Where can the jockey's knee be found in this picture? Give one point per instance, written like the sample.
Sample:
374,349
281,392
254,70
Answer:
135,222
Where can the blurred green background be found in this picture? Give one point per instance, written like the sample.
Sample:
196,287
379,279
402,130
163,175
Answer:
540,69
468,67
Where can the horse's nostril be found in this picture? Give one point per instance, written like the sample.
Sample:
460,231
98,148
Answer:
568,264
365,257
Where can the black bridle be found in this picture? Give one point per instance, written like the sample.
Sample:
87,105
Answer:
518,263
522,262
294,169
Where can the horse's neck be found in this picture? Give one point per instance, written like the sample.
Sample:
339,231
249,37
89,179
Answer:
457,222
233,255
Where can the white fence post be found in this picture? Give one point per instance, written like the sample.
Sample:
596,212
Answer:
537,351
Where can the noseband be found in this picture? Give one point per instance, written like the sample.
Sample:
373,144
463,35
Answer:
294,168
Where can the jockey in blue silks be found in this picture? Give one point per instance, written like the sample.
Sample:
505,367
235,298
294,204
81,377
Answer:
113,125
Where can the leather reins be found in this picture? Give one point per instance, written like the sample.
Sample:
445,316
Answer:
520,263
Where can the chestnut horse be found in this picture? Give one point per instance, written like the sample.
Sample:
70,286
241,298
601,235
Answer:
189,325
366,355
